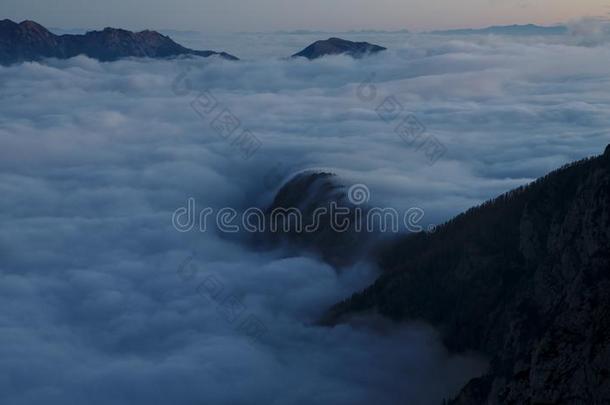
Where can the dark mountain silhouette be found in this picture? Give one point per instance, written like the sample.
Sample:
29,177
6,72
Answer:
307,192
29,41
524,278
337,46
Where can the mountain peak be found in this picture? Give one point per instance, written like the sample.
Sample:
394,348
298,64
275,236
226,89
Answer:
29,27
31,24
338,46
7,22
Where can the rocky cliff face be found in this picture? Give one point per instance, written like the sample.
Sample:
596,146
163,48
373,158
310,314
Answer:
337,46
524,278
29,41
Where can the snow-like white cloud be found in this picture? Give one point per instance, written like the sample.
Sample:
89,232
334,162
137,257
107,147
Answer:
95,157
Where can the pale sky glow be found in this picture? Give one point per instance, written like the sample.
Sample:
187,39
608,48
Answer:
269,15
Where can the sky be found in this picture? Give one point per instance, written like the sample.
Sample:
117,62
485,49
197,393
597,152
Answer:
269,15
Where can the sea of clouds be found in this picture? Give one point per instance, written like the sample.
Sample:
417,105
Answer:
103,301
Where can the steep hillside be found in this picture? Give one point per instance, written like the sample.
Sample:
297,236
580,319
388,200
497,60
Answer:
524,278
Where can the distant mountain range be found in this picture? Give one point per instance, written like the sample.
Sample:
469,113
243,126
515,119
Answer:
529,29
338,46
30,41
524,279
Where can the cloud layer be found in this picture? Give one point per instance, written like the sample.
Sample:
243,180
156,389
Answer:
94,159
